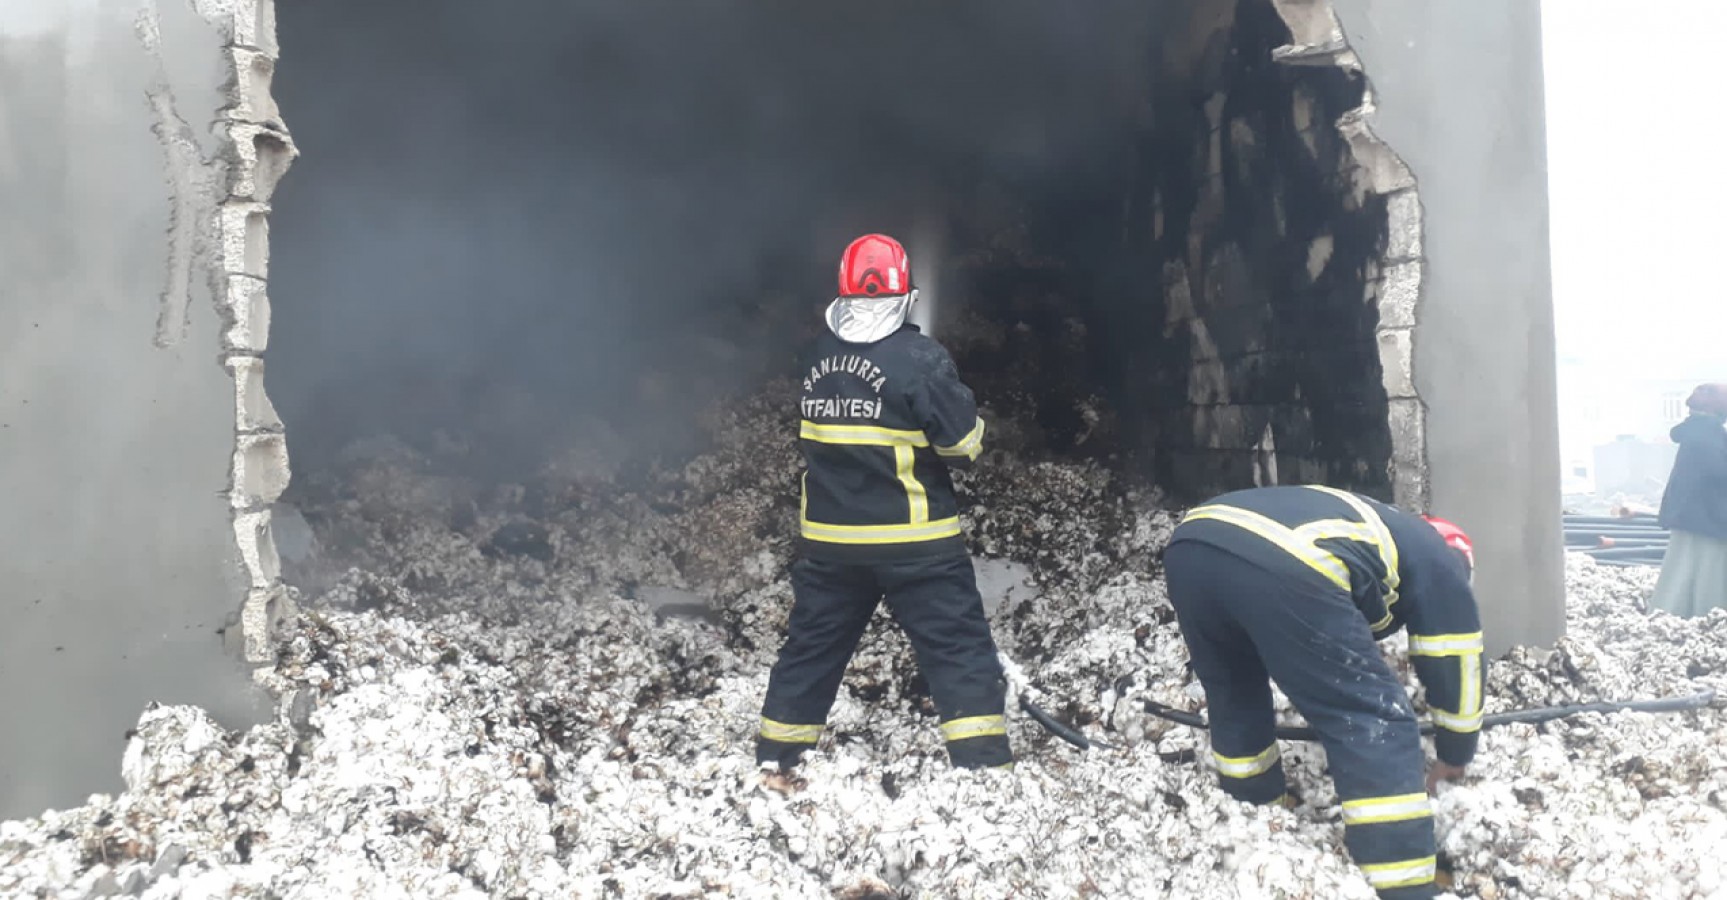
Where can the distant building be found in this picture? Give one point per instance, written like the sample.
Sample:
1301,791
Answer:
1634,468
1613,424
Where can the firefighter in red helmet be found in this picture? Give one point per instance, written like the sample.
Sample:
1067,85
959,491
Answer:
883,417
1296,585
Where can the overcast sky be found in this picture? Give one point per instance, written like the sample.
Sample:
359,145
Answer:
1637,173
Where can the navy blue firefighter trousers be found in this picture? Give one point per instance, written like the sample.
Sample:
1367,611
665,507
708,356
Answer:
1244,626
936,602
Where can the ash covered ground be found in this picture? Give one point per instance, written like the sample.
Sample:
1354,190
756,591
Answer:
506,692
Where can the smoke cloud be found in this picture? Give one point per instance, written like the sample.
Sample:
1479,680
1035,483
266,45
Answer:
512,217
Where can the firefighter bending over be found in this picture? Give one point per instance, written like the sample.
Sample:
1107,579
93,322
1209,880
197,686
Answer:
1297,584
884,415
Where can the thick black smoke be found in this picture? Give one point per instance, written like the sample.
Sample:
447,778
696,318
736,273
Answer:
511,216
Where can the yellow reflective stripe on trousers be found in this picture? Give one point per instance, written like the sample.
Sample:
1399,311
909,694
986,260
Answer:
1374,810
1247,766
973,727
916,497
1379,537
1409,872
790,734
864,435
969,446
1282,536
881,534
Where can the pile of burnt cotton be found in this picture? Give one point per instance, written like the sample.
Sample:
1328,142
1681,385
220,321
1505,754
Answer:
491,695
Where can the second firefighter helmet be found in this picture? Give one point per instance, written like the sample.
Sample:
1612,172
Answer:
1455,538
875,290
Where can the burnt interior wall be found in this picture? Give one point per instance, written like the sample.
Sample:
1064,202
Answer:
502,239
1242,344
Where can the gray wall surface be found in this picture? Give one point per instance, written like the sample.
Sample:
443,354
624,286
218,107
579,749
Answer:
118,558
1460,95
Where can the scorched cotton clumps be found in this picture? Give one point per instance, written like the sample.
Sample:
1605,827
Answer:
482,701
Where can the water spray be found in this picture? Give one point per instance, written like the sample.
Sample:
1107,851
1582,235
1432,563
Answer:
925,248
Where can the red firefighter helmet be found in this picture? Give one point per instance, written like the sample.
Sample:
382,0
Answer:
874,265
1455,538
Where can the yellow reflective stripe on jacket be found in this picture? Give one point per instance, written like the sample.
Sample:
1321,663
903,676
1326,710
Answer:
869,534
1375,810
1406,873
1468,649
881,534
1445,644
1319,560
861,435
1247,766
969,446
918,527
1469,687
1468,717
915,495
790,734
973,727
1378,535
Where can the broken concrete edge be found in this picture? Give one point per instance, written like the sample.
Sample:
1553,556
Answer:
220,221
1317,39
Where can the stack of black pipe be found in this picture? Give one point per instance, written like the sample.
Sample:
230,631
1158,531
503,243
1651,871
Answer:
1633,540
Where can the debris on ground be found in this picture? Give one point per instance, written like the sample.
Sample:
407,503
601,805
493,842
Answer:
487,697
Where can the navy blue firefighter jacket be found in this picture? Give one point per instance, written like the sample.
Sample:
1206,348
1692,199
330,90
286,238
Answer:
1393,566
881,424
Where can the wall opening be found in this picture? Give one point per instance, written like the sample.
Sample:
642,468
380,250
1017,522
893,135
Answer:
1157,234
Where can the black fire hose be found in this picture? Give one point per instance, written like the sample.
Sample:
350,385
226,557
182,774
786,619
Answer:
1698,700
1042,717
1054,727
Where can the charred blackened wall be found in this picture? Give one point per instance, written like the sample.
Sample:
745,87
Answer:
1244,337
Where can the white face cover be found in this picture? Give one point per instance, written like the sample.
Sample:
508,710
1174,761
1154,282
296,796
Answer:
865,320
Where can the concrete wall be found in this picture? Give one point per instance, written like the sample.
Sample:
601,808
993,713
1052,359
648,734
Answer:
1460,97
131,252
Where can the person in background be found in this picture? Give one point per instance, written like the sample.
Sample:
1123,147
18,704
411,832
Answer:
1694,508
